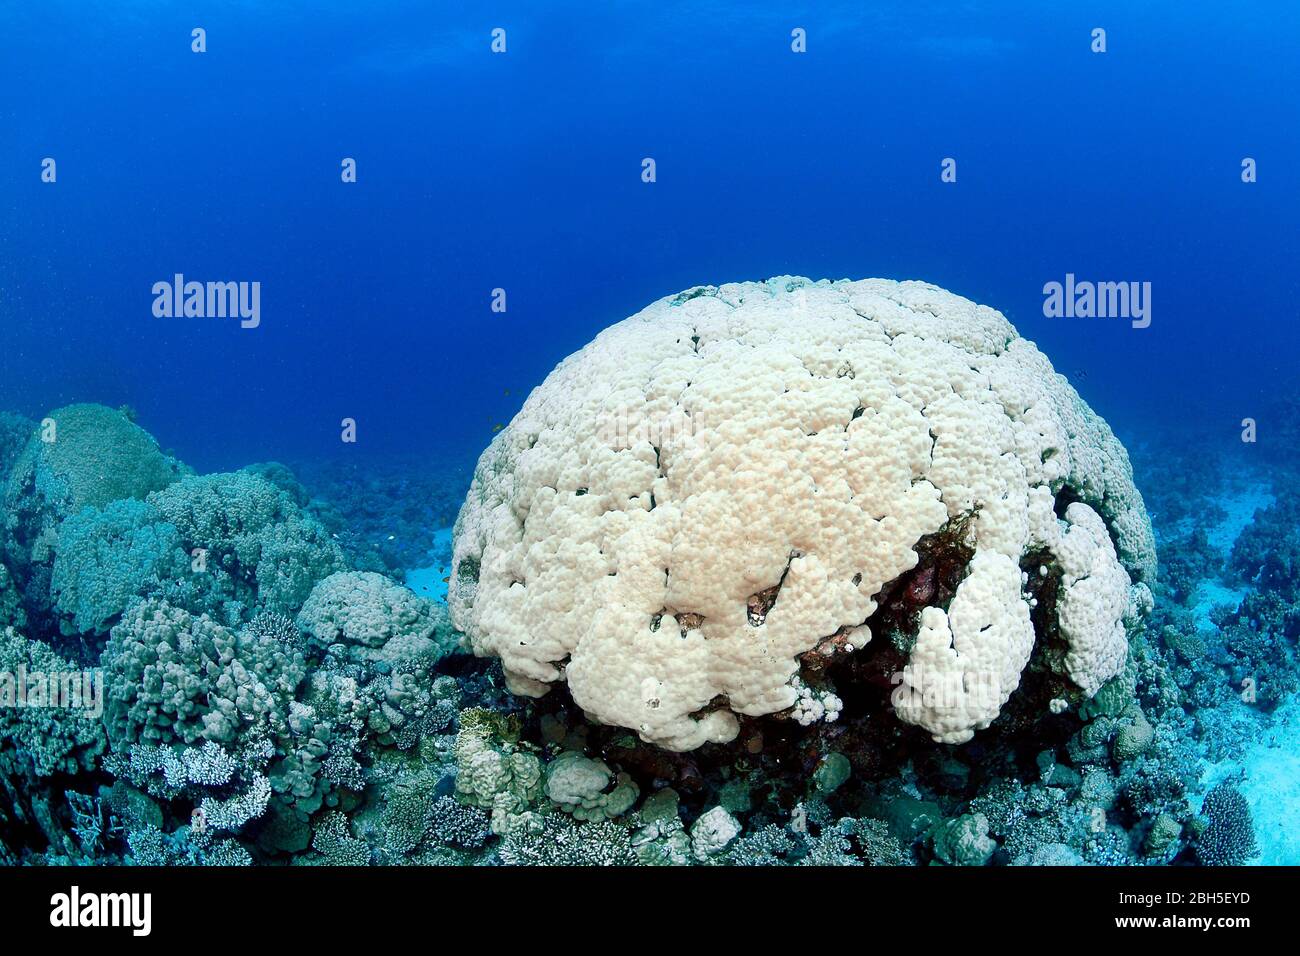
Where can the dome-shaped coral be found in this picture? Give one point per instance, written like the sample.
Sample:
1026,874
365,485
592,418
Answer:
374,618
79,456
266,551
109,556
730,479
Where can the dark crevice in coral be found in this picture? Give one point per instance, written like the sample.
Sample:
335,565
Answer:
686,620
466,578
719,702
868,733
1064,498
942,561
760,604
689,621
864,679
1043,678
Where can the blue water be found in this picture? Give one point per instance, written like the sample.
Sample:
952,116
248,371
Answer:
522,171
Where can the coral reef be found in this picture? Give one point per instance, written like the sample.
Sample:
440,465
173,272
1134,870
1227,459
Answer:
261,549
374,619
272,695
79,456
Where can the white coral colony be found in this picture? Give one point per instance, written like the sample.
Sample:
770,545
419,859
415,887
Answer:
731,478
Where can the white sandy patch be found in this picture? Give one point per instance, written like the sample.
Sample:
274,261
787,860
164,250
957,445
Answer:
1271,761
431,582
1240,502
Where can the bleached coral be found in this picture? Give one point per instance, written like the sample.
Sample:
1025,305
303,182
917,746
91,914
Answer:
728,480
1094,598
713,833
967,661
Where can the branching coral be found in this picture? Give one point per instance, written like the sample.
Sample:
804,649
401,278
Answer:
555,840
334,841
1228,838
43,736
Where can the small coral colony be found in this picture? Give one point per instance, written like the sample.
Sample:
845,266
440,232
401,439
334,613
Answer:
792,572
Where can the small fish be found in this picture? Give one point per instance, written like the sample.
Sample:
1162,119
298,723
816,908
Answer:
497,427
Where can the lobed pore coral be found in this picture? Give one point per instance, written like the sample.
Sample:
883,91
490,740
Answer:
176,677
727,483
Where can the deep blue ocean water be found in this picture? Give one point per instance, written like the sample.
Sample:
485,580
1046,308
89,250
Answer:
522,171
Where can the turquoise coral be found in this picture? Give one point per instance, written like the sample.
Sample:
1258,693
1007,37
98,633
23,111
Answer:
81,456
43,740
108,557
264,549
176,677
